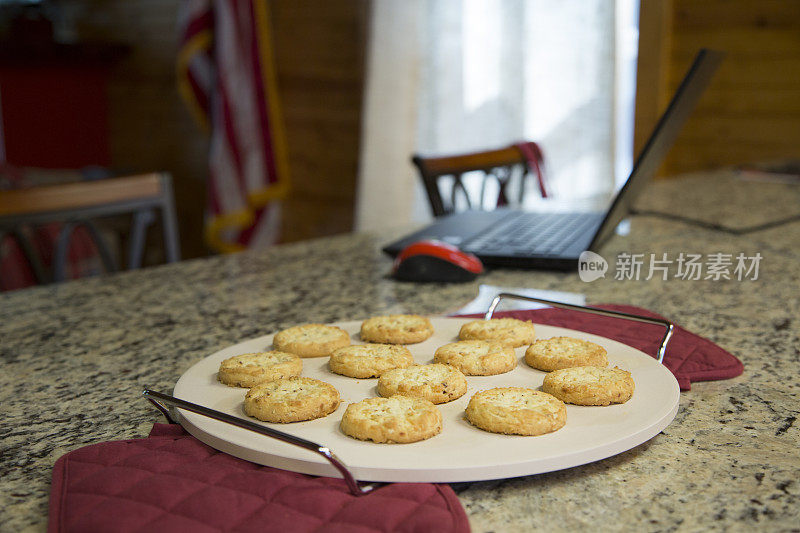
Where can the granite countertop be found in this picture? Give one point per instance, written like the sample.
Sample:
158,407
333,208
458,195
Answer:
76,356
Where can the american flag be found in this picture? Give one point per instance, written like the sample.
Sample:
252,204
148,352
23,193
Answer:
227,77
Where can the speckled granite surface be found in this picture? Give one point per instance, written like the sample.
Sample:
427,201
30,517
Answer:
75,358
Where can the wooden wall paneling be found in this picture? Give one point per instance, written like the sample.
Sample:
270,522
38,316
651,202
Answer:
655,29
320,49
751,112
737,13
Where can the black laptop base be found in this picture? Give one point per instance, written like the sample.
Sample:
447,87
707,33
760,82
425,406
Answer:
510,238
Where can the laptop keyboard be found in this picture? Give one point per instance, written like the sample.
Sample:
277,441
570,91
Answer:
524,234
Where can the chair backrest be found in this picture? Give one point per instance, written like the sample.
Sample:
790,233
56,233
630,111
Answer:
80,204
502,174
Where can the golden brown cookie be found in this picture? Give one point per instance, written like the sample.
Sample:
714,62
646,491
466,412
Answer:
508,330
396,329
589,385
369,360
311,340
436,383
516,411
477,358
291,400
250,369
398,419
564,352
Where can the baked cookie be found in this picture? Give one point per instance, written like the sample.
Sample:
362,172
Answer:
564,352
311,340
396,329
369,360
590,385
291,400
436,383
477,358
249,369
399,419
508,330
516,411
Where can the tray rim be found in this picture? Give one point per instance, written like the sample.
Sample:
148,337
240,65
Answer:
198,425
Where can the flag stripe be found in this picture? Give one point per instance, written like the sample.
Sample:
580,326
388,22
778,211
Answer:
203,22
277,147
230,135
199,95
226,75
266,133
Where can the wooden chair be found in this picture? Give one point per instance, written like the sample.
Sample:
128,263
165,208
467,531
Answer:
510,168
82,204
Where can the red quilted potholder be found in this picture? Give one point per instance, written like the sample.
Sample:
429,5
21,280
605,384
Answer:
688,356
172,482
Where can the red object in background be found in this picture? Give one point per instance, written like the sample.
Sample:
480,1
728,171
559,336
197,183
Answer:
83,257
15,272
54,104
54,116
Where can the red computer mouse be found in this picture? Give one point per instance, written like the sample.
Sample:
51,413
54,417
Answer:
435,261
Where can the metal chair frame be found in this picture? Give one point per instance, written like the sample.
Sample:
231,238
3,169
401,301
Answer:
139,196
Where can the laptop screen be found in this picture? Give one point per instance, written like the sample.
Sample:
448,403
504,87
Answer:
661,140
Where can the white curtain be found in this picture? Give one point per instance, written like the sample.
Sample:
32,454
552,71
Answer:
452,76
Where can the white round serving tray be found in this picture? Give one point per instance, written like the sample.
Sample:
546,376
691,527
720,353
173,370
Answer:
461,452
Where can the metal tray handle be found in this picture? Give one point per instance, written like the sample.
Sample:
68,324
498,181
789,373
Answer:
159,399
593,310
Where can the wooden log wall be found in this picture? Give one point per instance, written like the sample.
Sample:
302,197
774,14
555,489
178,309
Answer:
751,112
319,47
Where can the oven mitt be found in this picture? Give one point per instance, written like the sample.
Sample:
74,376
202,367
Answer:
171,482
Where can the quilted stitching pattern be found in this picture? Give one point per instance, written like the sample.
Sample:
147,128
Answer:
689,357
173,482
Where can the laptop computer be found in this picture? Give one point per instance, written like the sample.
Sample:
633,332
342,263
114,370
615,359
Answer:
554,241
